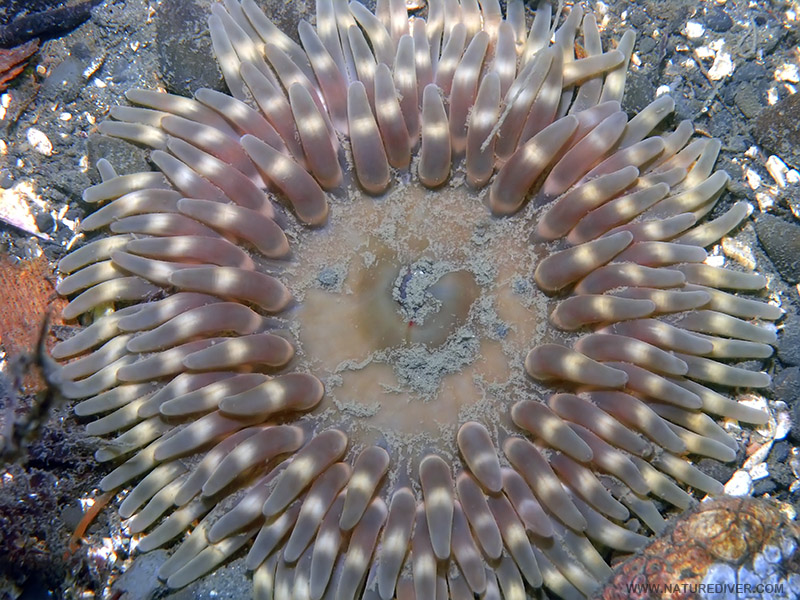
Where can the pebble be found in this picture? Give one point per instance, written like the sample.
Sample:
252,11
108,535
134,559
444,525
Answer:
718,20
647,45
44,222
39,141
6,180
748,100
760,471
693,30
740,484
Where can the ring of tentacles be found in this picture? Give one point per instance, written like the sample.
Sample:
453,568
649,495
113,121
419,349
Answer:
416,312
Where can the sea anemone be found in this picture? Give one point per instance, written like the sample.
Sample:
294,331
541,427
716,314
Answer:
485,340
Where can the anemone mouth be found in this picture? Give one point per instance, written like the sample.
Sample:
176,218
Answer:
486,342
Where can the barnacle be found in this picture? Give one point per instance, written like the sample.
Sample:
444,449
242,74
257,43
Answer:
500,279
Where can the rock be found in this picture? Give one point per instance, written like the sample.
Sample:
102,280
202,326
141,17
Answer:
140,581
790,196
748,101
781,241
185,54
44,221
789,342
647,45
6,180
123,156
749,71
287,15
639,92
722,472
780,471
777,129
65,81
24,20
787,386
764,486
718,20
779,453
787,389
